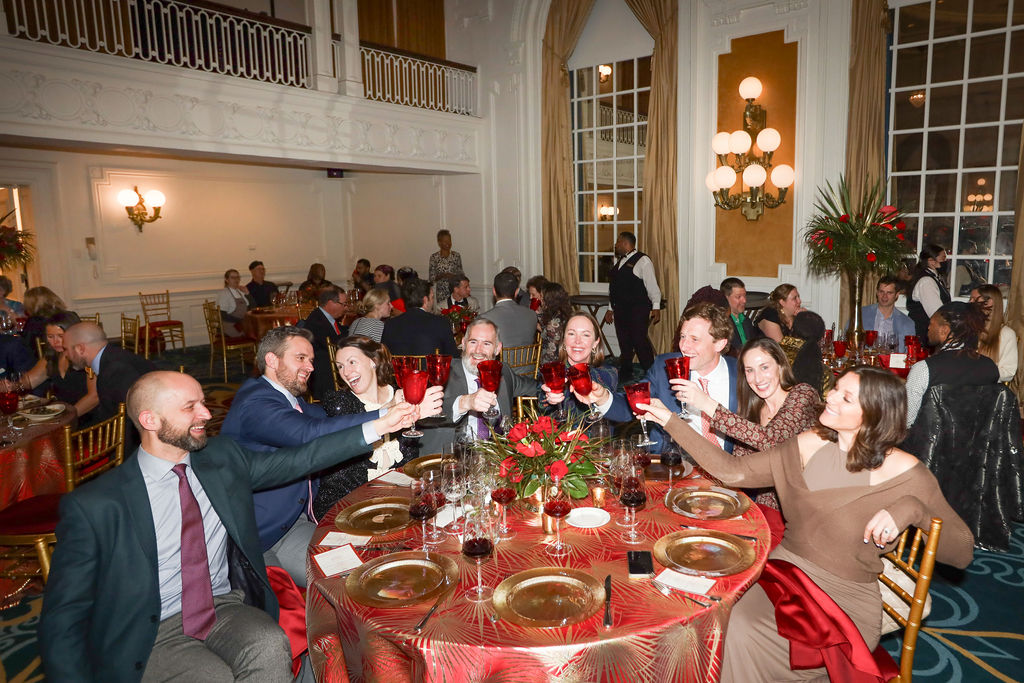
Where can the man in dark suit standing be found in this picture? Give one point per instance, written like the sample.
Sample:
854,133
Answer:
743,330
417,332
158,572
115,368
518,324
703,332
325,324
635,302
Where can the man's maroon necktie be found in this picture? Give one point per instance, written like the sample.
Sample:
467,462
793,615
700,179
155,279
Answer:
197,613
337,329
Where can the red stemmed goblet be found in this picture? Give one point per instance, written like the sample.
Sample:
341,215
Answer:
579,376
490,379
438,368
679,368
414,385
637,393
554,377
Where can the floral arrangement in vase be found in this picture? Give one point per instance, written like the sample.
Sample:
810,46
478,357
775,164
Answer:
539,448
15,247
459,317
855,237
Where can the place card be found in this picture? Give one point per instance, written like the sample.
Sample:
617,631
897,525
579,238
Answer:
897,360
395,477
337,560
448,514
337,538
684,582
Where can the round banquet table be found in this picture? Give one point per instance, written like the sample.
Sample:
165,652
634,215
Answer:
32,466
653,637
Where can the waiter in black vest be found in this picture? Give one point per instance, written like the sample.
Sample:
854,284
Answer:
635,303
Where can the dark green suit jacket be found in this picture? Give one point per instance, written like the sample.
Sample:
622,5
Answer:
101,608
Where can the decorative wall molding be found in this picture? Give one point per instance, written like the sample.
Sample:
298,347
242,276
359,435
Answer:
50,93
725,12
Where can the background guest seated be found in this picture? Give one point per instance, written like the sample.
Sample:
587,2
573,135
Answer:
362,276
259,288
803,351
847,493
316,279
735,293
460,296
41,304
997,341
373,310
233,301
954,330
417,332
15,309
384,278
534,287
883,316
55,373
326,324
776,319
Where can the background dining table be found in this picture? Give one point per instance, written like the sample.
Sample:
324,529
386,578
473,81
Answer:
653,637
32,465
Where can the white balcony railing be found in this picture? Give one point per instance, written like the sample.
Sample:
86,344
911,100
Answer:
193,34
391,75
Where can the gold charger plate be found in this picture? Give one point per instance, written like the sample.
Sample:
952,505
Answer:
374,517
401,579
707,502
704,552
548,597
416,468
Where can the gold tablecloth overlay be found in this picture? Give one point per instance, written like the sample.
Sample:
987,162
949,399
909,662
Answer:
653,637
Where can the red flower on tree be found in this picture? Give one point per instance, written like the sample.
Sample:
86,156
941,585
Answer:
845,218
871,257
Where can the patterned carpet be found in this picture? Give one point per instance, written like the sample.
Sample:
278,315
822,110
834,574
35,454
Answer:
975,631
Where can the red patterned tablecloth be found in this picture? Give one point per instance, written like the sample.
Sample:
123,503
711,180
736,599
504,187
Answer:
654,637
32,466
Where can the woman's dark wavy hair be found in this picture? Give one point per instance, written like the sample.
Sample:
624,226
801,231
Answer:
929,251
378,353
556,303
966,322
883,402
748,403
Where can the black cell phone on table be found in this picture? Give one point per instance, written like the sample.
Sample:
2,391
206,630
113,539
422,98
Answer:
641,564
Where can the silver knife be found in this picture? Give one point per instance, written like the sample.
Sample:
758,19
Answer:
437,603
608,601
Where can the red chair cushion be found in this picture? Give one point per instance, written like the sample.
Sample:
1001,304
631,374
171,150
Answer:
165,323
36,515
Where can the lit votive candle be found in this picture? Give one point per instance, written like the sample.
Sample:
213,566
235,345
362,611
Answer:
597,494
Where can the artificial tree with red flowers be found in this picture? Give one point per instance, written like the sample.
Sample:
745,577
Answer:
855,238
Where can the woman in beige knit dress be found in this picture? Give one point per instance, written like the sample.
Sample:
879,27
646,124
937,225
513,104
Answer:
847,493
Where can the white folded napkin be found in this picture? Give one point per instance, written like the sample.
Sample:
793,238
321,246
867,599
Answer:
685,582
337,560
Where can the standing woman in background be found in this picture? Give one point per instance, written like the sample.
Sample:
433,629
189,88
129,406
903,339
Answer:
997,341
444,264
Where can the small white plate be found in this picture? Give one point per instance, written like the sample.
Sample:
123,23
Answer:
588,518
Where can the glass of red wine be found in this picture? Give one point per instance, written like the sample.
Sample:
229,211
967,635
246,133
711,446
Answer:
554,377
557,506
421,508
414,385
478,546
870,337
632,496
679,368
579,376
438,368
433,482
671,458
503,494
640,392
490,380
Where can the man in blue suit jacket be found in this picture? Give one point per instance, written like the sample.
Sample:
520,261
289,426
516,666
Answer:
704,331
112,610
884,317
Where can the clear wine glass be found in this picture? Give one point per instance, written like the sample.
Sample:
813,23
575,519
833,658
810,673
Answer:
454,487
421,508
671,458
431,479
477,547
557,506
633,496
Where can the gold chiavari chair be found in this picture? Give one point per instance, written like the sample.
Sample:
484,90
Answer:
130,333
526,407
156,309
219,344
524,360
332,352
911,549
91,319
27,527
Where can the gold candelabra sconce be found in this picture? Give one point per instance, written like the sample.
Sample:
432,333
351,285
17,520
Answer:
135,204
736,158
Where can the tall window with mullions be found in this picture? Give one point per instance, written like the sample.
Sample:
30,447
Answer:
609,122
955,113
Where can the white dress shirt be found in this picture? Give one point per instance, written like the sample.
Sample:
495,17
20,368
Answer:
162,487
471,387
926,291
644,269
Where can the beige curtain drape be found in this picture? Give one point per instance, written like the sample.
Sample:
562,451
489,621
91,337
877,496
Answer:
865,125
658,221
1015,305
566,19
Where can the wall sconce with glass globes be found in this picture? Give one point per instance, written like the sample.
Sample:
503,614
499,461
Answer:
752,167
604,72
135,204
